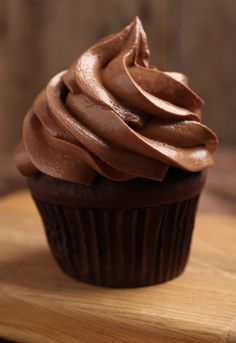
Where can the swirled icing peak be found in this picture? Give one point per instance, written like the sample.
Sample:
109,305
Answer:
112,113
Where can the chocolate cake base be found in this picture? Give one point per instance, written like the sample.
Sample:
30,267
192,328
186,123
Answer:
103,193
119,246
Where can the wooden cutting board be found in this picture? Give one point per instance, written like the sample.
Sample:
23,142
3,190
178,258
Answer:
38,303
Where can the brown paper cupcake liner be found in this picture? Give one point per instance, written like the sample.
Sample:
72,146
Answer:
120,247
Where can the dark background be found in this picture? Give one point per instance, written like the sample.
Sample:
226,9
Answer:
39,38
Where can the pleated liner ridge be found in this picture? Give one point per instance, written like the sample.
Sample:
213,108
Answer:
120,247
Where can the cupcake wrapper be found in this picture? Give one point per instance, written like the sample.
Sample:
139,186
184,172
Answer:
120,247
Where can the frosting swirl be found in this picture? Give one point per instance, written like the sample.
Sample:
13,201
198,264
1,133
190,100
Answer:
112,113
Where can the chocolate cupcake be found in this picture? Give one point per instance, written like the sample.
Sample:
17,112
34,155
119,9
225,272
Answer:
115,154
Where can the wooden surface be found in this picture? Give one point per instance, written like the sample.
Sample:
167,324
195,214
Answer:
41,38
38,303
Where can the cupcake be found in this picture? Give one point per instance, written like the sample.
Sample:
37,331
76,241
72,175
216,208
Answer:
116,155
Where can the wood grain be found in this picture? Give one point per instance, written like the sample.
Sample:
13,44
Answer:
38,303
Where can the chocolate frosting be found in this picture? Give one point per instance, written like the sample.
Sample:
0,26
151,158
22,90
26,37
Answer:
112,113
